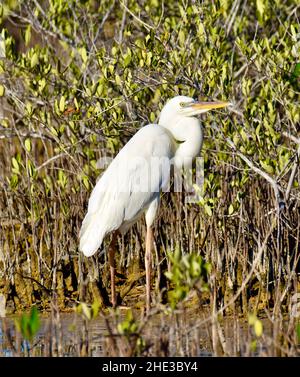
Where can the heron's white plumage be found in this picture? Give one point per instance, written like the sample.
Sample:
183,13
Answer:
132,183
127,188
183,127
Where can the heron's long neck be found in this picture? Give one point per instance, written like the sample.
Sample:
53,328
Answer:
188,132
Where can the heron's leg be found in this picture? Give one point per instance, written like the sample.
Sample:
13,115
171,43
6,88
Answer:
149,243
112,264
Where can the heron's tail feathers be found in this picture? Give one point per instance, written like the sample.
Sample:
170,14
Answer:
91,234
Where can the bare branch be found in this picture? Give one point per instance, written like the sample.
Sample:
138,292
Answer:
148,27
262,173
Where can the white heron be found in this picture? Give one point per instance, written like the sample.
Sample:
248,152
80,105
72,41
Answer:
131,185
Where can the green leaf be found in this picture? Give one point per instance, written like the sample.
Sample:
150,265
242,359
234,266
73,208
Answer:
253,345
2,90
260,5
28,145
15,164
181,37
251,319
28,326
118,80
34,321
29,108
256,323
31,168
83,54
230,209
95,308
53,131
267,167
152,117
86,311
169,275
258,328
34,60
127,59
76,104
62,103
114,51
86,182
42,84
14,181
208,210
27,35
296,72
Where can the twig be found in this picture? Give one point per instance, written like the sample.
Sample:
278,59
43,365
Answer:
262,173
291,137
293,174
234,11
246,65
148,27
105,17
50,160
122,25
261,248
48,290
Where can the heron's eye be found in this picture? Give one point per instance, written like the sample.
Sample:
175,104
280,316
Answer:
186,104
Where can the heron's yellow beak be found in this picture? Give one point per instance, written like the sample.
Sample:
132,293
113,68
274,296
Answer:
209,105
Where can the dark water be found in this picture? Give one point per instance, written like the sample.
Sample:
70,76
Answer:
70,335
66,337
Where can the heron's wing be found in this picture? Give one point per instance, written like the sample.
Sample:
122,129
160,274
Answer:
128,186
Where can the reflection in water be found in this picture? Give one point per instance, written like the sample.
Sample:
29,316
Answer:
159,335
68,337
